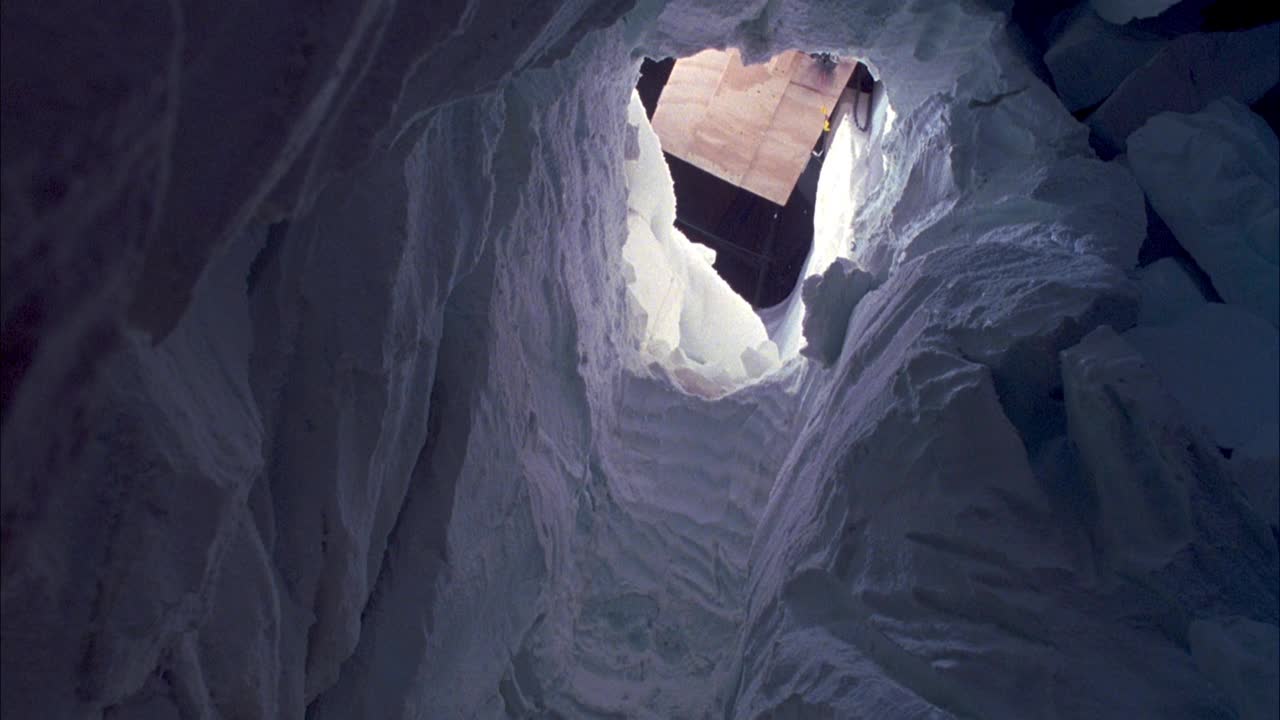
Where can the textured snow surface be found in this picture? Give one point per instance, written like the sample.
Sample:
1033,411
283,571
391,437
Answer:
1214,177
854,164
1219,361
334,386
1241,656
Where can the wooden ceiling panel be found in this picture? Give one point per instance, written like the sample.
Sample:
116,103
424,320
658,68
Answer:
750,125
685,97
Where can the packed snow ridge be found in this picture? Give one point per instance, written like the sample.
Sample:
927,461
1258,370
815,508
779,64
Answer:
353,368
688,318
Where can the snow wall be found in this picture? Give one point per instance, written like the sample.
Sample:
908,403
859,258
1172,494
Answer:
323,397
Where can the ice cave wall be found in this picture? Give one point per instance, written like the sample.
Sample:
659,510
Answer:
320,399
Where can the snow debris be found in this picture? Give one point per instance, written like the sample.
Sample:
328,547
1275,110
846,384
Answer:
1122,11
1220,362
1186,75
689,318
1214,178
1145,516
1090,58
1168,292
1242,657
829,300
1256,466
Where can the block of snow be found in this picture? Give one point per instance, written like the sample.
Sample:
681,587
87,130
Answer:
1122,11
705,253
1214,178
1188,73
760,359
1099,203
1222,364
829,299
688,317
1241,657
1168,292
1256,466
853,165
1130,438
1090,58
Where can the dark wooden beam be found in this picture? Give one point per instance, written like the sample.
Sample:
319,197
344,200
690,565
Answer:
720,244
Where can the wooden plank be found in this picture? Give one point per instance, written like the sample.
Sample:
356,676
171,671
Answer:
738,116
684,99
795,128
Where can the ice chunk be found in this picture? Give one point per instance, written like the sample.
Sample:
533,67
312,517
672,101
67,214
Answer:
656,289
829,300
631,147
1256,466
1214,178
1122,11
760,359
1168,292
1130,439
650,193
704,253
1222,364
1188,73
1090,58
1241,657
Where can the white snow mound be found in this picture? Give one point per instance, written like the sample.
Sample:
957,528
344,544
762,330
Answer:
689,319
1241,656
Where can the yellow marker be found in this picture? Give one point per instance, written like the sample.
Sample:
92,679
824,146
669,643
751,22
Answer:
826,120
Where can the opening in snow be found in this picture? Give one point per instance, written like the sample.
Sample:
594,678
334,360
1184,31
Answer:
727,212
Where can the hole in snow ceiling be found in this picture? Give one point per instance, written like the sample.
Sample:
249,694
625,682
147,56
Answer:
745,144
722,170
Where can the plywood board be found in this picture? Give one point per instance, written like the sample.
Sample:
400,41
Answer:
737,118
782,157
750,125
685,97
